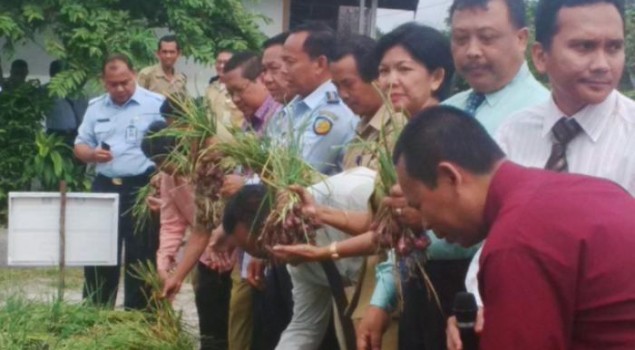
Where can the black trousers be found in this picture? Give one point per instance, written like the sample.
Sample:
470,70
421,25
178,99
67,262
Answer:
422,324
102,282
212,293
273,308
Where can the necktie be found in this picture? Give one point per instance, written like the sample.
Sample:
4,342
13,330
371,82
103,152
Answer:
563,132
474,100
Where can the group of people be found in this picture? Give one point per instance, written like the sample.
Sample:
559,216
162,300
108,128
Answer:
481,180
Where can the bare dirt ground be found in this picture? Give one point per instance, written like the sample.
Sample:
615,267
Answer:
41,284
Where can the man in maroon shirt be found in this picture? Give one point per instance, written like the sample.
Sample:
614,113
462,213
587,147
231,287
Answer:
558,265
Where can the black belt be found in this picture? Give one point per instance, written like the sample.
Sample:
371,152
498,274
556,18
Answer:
126,180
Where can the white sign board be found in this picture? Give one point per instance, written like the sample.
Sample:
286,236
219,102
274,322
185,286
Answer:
91,228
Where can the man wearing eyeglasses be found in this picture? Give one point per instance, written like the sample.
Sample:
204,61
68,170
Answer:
248,92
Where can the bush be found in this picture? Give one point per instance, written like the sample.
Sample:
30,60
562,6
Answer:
21,112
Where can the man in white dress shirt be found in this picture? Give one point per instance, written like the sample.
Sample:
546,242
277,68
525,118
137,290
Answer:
312,295
581,48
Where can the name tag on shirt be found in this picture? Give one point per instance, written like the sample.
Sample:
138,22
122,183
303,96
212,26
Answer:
131,134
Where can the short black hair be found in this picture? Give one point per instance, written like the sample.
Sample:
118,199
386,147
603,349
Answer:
278,39
320,40
250,63
172,105
250,206
55,67
155,146
170,38
444,133
362,48
547,16
19,64
517,9
426,45
117,57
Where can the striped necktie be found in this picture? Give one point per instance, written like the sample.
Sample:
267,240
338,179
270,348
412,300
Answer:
474,100
565,130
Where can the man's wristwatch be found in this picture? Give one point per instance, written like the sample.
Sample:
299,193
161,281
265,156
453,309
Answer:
333,250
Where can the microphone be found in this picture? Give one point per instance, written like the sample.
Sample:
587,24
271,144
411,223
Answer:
465,310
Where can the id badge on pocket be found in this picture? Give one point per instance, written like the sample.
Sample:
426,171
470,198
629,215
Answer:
131,134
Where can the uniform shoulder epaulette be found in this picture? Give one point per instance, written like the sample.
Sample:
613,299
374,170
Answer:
332,97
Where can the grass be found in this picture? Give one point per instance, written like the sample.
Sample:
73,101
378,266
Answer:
15,277
58,325
51,324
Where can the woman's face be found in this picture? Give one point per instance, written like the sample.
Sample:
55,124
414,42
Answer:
406,82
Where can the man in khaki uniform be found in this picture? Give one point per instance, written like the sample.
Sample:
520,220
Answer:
220,103
353,72
163,78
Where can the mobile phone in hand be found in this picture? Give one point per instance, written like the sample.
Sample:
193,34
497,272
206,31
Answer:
105,146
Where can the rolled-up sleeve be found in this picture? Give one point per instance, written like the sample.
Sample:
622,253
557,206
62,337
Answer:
385,294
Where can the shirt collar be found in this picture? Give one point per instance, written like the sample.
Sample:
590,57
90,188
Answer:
503,181
381,118
264,113
136,98
497,96
314,98
592,118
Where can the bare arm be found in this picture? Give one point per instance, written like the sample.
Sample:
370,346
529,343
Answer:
359,245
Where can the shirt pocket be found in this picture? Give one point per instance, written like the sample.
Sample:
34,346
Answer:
103,131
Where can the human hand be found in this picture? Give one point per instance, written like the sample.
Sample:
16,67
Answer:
171,287
231,185
256,273
102,156
371,329
299,253
307,204
406,214
453,335
221,261
154,203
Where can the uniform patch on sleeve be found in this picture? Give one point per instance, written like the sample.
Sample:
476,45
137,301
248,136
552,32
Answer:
322,125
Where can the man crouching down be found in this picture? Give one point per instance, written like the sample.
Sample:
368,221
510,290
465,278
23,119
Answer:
313,293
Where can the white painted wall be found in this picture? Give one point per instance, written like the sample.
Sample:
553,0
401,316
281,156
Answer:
198,75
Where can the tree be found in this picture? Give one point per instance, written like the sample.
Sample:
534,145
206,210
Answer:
84,32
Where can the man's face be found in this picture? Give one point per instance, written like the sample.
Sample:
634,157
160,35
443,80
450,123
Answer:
301,69
359,96
442,208
119,81
168,54
274,74
242,91
221,59
586,58
487,49
247,241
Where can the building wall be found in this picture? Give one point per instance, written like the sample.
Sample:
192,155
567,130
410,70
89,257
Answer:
198,75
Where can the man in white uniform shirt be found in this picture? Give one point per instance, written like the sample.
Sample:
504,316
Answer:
312,295
587,127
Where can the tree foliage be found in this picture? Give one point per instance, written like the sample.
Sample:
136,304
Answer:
84,32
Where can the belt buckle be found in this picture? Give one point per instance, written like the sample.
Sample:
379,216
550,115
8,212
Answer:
117,181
